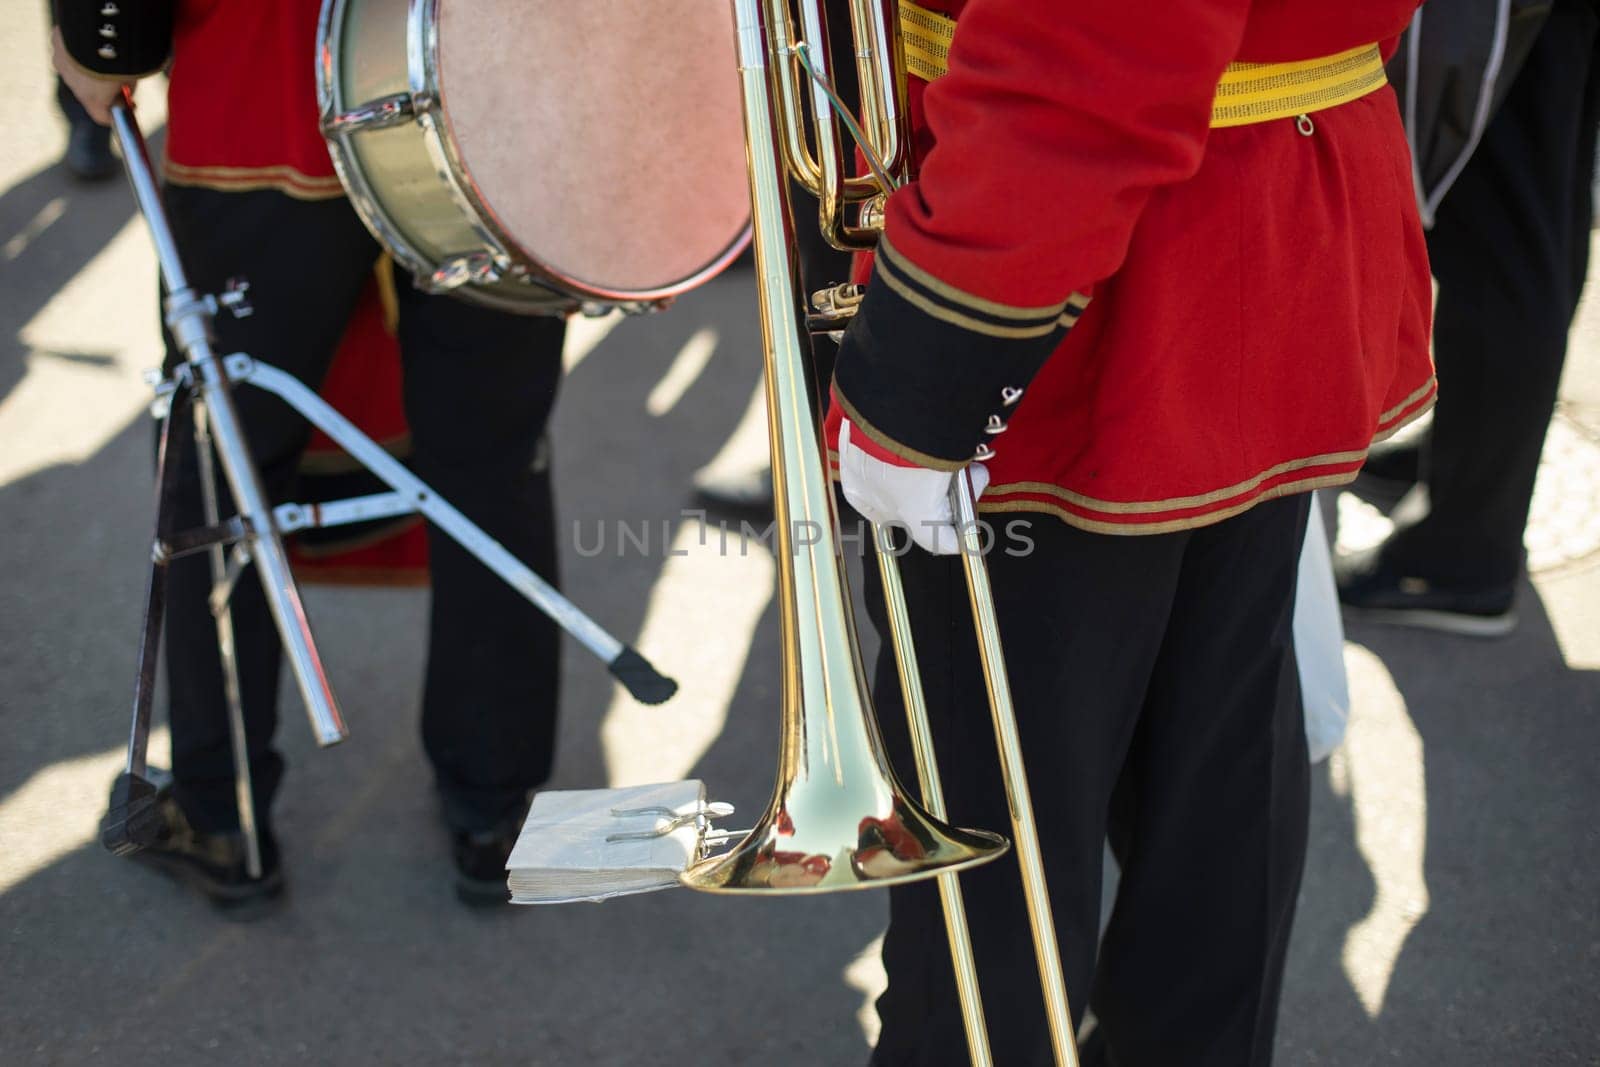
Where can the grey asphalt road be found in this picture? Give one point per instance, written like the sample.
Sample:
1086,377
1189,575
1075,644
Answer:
1451,909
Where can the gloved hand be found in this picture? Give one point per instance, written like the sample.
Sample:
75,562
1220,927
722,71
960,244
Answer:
888,489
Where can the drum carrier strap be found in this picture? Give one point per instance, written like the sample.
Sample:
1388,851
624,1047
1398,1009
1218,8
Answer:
1248,92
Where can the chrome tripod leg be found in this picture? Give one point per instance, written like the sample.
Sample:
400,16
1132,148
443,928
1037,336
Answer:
627,666
1025,835
955,909
222,611
188,316
131,821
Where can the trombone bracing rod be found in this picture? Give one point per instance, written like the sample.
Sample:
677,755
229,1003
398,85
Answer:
1025,835
955,909
188,316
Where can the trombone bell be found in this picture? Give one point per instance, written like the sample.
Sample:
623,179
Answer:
826,836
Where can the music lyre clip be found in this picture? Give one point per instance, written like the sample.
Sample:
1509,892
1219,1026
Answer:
700,818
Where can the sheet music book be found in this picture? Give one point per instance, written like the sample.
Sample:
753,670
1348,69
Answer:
562,855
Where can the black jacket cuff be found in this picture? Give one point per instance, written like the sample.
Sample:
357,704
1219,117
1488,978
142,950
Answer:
116,38
929,372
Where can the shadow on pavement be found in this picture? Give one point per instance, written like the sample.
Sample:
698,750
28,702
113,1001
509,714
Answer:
372,959
51,225
1453,843
76,550
1499,965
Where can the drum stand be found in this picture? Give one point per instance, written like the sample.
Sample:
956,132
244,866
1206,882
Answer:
197,410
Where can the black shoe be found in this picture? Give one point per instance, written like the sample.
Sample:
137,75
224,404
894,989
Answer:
1373,590
89,155
480,857
212,863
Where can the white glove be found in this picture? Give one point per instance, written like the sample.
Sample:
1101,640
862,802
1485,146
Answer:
904,495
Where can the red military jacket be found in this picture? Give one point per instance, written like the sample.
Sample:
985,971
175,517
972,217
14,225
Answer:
243,99
242,102
1255,300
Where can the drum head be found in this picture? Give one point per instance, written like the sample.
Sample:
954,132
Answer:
604,138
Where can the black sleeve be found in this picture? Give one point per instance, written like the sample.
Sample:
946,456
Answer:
116,38
924,367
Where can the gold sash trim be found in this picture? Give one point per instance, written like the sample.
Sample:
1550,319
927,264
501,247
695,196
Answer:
1248,92
282,177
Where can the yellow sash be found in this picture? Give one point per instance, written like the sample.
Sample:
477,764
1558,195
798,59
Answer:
1248,92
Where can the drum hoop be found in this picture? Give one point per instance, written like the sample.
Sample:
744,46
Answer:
422,77
330,101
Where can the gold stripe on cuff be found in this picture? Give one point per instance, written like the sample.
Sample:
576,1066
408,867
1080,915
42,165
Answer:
956,318
888,251
884,441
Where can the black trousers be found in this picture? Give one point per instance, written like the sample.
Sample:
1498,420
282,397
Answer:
479,387
1158,702
1510,250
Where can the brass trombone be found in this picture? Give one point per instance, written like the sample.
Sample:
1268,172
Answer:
838,819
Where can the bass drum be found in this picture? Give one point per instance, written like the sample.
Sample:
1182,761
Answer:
538,156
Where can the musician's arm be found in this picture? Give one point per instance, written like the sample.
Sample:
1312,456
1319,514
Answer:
1052,130
102,45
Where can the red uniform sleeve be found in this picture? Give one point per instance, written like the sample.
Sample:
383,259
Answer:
1052,127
